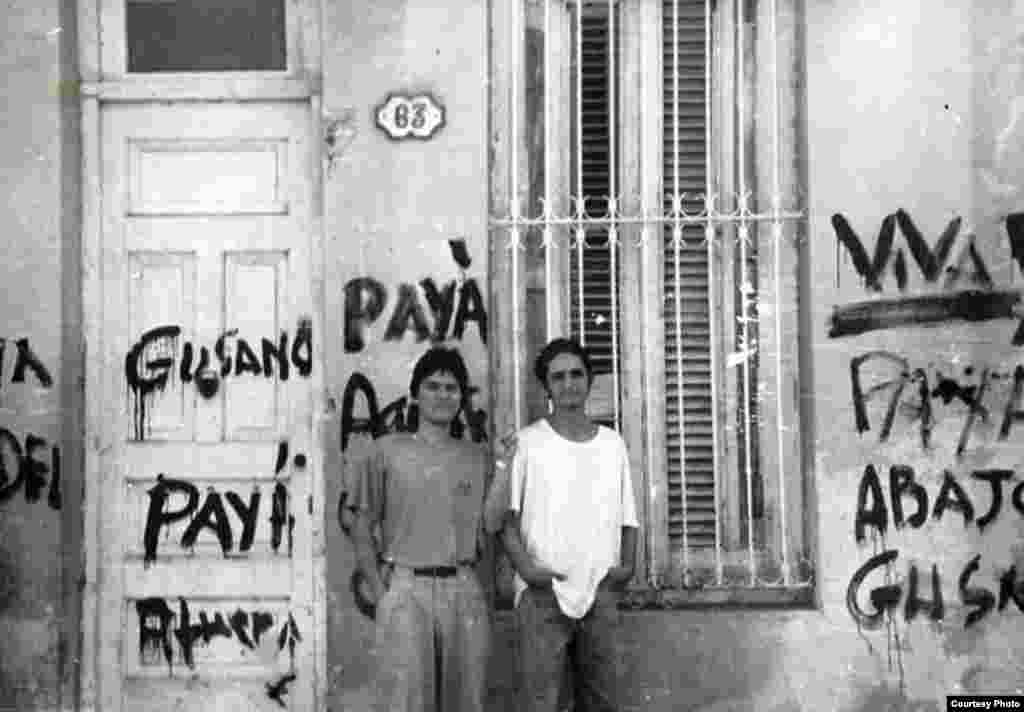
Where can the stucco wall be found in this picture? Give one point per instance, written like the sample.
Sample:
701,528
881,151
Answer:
392,209
904,105
39,411
911,106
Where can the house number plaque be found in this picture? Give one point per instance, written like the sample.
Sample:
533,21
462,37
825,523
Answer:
417,117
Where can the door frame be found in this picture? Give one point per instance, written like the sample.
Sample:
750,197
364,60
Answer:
102,84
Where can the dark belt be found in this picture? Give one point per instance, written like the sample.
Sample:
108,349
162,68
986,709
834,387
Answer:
439,571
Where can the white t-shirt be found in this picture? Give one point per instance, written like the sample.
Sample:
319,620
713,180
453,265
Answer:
573,499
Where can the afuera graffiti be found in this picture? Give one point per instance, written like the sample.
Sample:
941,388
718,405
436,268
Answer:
158,622
366,300
24,466
150,363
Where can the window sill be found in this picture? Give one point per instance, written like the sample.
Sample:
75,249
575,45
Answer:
651,599
671,599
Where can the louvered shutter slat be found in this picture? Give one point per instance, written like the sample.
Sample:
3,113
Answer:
593,140
684,166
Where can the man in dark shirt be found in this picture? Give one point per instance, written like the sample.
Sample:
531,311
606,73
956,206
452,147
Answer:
424,492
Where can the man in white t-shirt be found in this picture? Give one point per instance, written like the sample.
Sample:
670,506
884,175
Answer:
570,531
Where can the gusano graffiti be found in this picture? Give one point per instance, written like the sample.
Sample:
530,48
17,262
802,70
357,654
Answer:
150,364
366,299
912,390
212,515
979,303
885,599
399,415
30,468
25,360
247,627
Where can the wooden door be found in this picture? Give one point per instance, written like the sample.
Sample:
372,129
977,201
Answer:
205,591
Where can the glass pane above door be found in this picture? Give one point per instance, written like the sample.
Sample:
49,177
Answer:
205,35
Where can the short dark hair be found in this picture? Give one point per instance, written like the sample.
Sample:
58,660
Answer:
439,359
555,348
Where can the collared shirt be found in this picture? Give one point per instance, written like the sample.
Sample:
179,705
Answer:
573,499
427,499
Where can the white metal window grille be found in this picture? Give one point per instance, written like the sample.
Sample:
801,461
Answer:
646,200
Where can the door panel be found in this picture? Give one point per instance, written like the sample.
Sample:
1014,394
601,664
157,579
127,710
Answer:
206,560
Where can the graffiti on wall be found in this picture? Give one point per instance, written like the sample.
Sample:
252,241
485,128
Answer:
279,688
164,634
967,290
890,392
952,497
207,512
361,414
25,361
960,289
154,361
932,402
452,307
29,463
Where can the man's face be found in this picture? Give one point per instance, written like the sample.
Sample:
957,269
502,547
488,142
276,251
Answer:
439,397
567,381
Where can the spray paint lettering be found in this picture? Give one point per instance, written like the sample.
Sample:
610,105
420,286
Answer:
160,628
25,360
920,393
399,415
23,465
150,364
366,300
873,512
980,302
212,515
277,690
885,598
929,261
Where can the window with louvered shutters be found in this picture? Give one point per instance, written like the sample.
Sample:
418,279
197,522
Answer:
690,307
590,312
688,364
689,444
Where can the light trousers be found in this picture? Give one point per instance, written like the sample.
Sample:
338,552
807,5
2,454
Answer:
432,643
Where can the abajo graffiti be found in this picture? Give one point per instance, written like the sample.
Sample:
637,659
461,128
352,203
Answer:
873,512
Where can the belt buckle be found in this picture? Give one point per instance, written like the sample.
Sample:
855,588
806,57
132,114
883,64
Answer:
436,571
